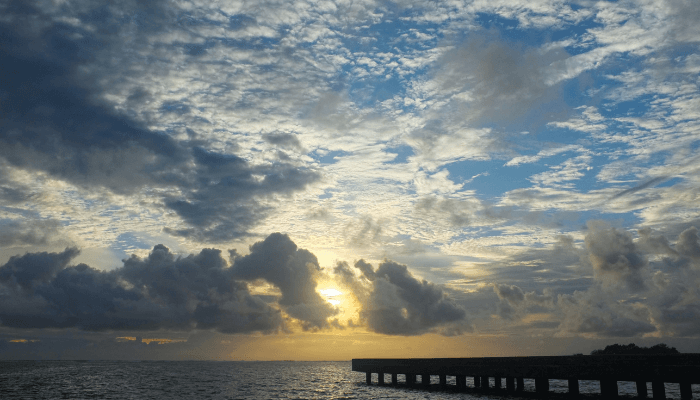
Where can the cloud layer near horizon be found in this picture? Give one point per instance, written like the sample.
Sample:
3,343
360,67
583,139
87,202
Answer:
639,287
204,292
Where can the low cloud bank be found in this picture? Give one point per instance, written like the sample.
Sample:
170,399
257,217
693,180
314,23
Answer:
644,286
204,291
394,302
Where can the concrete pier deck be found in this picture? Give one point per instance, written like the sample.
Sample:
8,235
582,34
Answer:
683,369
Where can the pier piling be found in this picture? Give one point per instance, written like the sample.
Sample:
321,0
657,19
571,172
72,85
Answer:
510,384
608,388
683,369
658,390
485,382
461,381
642,392
686,391
542,386
573,387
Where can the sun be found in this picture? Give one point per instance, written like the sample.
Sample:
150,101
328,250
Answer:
331,295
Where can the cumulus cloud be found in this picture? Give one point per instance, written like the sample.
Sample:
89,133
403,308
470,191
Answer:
35,269
394,302
205,292
514,302
165,291
596,313
688,243
610,284
614,256
665,302
162,291
294,271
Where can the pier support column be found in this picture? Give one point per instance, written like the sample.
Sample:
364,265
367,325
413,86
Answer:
608,388
520,384
443,381
484,383
414,379
477,381
497,382
573,387
542,386
642,391
658,391
510,384
380,378
369,378
461,382
394,379
686,392
425,380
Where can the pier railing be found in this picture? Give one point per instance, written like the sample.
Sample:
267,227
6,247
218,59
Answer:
683,369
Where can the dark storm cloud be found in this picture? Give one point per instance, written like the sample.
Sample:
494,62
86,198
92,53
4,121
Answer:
54,121
366,269
278,261
396,303
222,203
421,305
201,291
162,291
34,269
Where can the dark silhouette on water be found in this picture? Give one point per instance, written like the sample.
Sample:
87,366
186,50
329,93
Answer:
608,369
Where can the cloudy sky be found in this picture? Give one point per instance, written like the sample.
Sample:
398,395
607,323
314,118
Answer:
334,179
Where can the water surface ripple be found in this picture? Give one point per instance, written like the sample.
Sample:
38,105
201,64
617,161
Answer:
229,380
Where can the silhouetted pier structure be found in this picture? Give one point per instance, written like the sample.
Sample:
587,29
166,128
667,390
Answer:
683,369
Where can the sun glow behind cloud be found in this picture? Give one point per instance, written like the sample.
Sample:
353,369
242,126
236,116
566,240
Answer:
331,295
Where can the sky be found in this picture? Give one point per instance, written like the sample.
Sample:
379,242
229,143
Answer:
327,180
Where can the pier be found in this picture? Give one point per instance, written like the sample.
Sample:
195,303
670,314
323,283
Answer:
474,373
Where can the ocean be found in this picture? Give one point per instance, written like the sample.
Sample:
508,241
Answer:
230,380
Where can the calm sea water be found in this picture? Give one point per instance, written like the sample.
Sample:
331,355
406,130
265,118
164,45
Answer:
225,380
